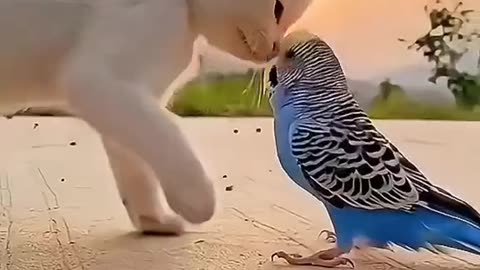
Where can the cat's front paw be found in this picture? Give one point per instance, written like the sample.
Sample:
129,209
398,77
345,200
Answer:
167,225
155,223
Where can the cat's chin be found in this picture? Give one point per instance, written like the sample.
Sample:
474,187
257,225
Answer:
249,54
241,55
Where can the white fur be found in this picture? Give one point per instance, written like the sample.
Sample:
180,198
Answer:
110,61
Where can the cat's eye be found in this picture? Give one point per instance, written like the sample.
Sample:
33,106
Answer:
278,10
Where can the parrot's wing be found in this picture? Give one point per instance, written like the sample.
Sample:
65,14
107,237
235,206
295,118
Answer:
356,166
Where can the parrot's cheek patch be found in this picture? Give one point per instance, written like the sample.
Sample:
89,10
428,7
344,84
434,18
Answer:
285,91
285,68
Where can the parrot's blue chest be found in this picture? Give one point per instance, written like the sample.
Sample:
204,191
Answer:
284,121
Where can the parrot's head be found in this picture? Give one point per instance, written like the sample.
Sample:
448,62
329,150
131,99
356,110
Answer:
305,62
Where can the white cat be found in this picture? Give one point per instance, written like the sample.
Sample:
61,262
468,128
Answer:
110,60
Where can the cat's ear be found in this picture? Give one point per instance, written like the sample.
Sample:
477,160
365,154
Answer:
293,10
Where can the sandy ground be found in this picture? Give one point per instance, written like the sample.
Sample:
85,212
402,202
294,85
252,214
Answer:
60,209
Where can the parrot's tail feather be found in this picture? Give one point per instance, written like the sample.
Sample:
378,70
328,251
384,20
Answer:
455,233
469,238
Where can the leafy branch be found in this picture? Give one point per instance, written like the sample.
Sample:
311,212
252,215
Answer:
441,45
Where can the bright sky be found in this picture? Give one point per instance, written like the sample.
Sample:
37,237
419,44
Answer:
364,33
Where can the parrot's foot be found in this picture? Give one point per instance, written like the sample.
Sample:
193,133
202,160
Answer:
329,258
331,237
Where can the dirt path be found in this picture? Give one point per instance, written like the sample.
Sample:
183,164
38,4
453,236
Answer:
59,208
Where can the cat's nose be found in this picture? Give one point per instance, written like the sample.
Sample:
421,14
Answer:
275,50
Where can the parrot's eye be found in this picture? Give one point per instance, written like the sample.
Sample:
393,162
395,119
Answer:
290,54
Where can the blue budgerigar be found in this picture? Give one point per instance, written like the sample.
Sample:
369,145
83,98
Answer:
329,147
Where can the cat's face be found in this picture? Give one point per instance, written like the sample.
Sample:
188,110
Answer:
248,29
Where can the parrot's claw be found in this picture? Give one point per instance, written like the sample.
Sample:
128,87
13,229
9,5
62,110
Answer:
326,258
331,237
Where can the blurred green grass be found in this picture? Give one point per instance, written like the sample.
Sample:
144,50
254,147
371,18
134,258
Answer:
398,106
225,96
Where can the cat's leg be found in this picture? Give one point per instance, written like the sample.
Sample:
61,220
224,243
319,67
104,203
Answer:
131,117
109,81
138,190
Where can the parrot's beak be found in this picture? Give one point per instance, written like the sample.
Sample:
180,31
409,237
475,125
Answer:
272,76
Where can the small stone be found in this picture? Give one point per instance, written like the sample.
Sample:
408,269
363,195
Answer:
229,188
258,130
62,180
35,125
199,241
73,143
224,176
235,131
